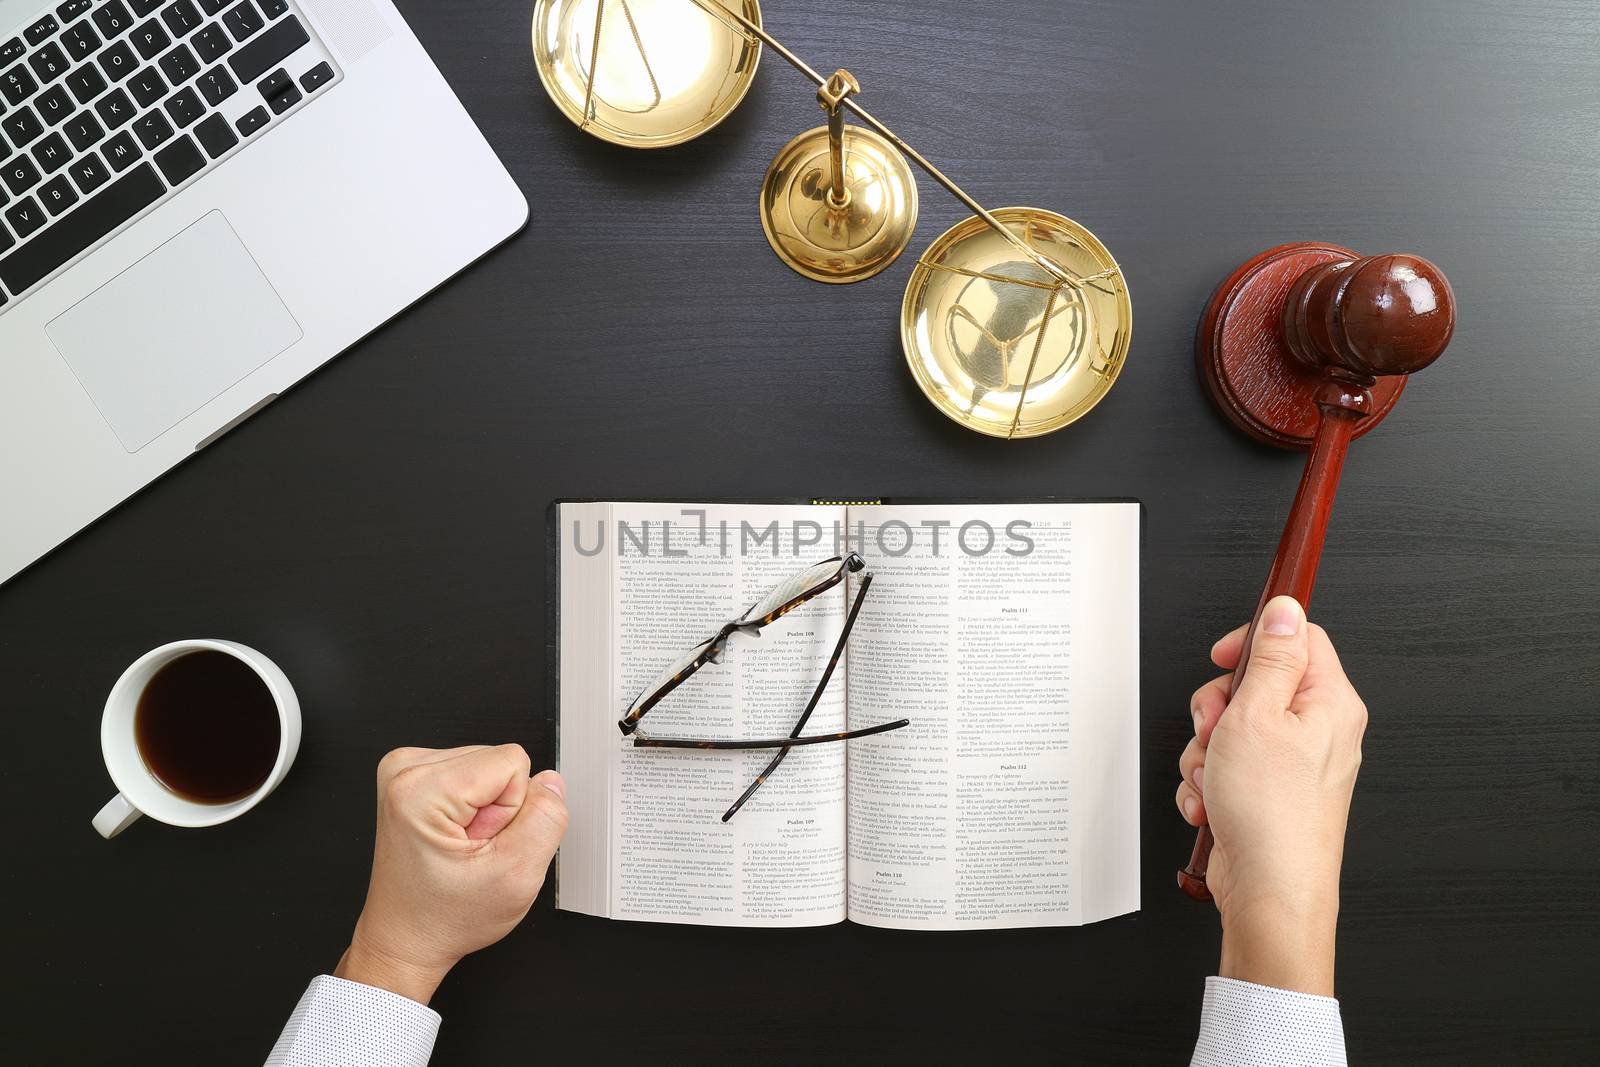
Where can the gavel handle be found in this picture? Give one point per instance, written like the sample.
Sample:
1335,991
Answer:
1294,571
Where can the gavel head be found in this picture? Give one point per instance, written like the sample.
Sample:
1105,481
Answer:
1370,317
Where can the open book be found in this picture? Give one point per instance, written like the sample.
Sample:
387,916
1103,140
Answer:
1008,634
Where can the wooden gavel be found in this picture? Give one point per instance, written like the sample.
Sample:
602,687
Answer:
1307,346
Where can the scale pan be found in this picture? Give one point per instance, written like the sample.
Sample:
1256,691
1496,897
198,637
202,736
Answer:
850,242
664,73
974,330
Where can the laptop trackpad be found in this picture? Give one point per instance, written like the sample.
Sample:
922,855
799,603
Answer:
172,332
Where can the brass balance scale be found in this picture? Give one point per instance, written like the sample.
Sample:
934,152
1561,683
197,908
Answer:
1015,322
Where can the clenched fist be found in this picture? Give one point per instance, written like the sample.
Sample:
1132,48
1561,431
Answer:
465,836
1271,769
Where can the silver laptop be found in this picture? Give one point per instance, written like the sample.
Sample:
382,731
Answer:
201,201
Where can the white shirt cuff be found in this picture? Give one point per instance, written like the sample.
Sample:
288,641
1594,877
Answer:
347,1024
1247,1025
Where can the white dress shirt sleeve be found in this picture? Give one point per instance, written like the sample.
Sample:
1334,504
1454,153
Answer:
347,1024
1247,1025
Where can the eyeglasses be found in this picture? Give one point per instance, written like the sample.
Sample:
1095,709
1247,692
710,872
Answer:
784,598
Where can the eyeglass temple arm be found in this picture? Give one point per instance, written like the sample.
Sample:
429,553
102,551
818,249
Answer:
816,694
644,740
838,652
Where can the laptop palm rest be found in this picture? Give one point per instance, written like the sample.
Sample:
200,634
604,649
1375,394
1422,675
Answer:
174,331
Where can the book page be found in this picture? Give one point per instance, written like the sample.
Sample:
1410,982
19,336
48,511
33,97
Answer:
1008,635
676,572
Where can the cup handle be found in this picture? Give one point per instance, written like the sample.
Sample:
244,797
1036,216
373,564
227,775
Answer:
115,817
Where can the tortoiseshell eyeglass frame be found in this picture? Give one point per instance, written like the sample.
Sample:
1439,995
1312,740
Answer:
710,651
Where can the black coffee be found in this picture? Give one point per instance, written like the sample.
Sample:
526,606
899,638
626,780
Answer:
207,727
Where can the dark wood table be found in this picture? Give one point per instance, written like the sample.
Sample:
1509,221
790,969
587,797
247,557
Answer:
380,532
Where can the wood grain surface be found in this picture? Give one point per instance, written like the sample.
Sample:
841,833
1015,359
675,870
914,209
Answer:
380,532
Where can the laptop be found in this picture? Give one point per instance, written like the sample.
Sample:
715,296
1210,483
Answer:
201,201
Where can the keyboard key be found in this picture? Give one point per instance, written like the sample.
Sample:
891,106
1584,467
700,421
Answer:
215,135
49,63
99,215
180,160
118,61
153,129
90,172
284,100
121,152
253,121
81,42
16,85
52,153
273,84
73,9
185,109
150,39
147,87
114,109
6,242
84,131
112,19
212,43
268,50
272,8
57,195
182,18
26,216
20,174
316,77
243,21
42,30
12,51
22,126
54,105
211,7
216,86
142,8
180,65
86,83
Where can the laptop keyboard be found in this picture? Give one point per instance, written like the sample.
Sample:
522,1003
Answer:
109,107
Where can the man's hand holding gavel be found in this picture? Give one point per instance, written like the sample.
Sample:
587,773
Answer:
1273,778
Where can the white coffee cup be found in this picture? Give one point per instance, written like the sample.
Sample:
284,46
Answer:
140,792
